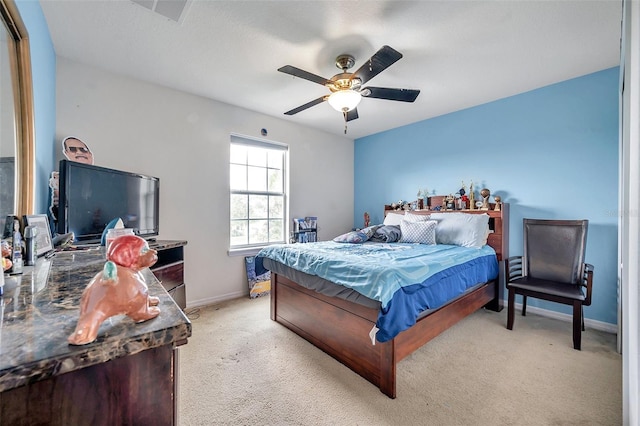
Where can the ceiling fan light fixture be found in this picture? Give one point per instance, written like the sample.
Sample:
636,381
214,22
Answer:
344,100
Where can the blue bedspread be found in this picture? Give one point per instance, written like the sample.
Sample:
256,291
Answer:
405,278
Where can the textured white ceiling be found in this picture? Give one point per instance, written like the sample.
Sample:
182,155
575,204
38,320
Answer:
458,53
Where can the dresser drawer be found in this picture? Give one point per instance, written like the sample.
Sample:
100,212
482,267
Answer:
171,275
179,296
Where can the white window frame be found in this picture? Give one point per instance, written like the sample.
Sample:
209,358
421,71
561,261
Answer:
249,249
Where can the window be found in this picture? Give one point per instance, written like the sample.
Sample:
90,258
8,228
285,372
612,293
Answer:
258,192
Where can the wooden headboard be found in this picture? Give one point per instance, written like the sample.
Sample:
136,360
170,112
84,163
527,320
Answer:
498,222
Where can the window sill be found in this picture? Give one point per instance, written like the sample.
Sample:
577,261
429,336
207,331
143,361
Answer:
248,251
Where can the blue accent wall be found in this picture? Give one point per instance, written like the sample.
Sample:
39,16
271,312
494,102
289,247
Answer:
43,66
552,153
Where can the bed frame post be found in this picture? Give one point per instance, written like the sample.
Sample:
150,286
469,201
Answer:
274,299
388,368
500,242
496,304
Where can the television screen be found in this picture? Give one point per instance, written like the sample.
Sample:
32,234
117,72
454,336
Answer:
91,196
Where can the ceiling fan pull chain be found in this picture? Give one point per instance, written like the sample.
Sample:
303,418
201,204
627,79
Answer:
344,113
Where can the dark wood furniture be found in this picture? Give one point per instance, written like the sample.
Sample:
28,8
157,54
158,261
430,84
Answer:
169,269
552,268
129,375
136,389
341,328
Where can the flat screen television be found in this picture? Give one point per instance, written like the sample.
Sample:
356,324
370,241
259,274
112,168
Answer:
92,196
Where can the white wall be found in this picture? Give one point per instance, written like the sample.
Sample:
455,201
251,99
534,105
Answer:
184,140
630,213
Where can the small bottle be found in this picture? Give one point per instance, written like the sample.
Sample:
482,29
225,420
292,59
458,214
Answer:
30,233
16,256
17,262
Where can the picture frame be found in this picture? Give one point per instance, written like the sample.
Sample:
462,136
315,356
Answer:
8,226
259,285
43,237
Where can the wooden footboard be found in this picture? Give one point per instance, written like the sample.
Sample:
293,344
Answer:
341,328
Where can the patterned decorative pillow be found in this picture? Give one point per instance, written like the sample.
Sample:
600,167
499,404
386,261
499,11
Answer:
418,232
370,230
354,237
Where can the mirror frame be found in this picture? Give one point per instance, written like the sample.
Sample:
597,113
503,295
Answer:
20,58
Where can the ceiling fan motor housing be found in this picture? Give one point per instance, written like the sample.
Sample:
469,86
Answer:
344,62
344,81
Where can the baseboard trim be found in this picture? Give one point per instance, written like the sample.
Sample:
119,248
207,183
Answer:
214,300
596,325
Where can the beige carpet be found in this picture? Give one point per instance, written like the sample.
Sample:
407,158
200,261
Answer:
241,368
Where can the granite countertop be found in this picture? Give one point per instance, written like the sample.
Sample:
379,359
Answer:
40,308
166,244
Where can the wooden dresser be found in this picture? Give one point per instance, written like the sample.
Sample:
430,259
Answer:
127,376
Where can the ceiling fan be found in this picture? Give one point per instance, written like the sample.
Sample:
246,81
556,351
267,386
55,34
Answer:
346,87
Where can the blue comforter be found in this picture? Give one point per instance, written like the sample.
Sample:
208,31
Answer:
405,278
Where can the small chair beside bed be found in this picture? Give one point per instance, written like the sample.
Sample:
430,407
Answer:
369,327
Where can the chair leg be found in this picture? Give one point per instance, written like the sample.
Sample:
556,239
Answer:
582,316
577,325
511,309
524,305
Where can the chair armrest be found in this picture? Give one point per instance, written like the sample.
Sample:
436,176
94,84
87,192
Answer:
513,268
588,282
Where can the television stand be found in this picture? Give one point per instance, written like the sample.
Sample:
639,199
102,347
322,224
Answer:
169,269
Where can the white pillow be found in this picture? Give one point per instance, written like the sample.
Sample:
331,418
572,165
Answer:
393,218
423,232
462,229
414,217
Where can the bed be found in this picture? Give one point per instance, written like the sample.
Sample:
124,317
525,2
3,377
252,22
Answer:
343,323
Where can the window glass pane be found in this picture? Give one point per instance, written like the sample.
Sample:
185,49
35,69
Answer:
238,154
257,157
275,159
257,179
238,177
239,206
258,231
239,232
276,207
276,230
255,170
275,180
258,207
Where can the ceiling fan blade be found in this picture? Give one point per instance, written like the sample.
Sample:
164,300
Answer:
404,95
297,72
381,60
352,115
307,105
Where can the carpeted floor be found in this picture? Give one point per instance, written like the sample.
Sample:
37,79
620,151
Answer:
241,368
